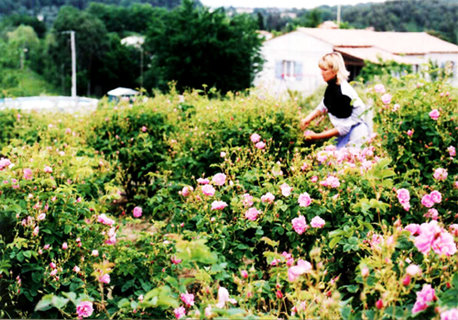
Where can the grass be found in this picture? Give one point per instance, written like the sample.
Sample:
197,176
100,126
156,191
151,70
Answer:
28,84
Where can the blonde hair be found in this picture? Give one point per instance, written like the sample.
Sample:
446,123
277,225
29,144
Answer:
335,62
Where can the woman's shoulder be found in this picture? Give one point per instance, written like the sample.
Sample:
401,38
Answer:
347,89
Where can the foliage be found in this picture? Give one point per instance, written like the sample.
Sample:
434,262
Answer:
195,47
229,214
372,71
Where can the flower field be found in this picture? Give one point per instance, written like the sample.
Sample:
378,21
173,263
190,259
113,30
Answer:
182,206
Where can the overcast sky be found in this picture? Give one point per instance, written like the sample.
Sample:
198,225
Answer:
307,4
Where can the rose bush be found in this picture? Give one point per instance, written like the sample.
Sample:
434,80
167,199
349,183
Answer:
187,207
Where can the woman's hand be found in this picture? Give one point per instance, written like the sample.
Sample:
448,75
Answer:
305,122
310,135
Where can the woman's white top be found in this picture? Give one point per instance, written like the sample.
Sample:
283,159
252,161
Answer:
343,125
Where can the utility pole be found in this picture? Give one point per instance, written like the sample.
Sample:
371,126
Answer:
72,41
338,15
73,48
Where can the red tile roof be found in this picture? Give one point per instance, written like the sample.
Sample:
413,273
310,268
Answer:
407,43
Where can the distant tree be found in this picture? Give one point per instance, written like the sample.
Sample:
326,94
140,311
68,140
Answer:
22,42
16,20
261,25
194,46
124,20
309,19
119,67
91,43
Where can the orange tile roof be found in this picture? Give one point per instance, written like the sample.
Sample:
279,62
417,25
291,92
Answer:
374,54
392,42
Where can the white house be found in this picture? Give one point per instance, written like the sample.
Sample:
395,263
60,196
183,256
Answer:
292,59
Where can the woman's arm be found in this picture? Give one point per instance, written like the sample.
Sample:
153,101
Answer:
306,121
310,135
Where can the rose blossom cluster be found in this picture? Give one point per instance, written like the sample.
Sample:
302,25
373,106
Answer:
256,139
429,199
440,174
431,236
404,198
331,182
424,297
302,267
4,163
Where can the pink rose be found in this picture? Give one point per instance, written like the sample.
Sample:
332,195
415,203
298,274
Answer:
208,190
413,228
137,212
453,228
451,314
432,213
440,174
299,224
102,218
364,272
219,179
247,200
47,169
301,268
144,129
260,145
104,278
4,163
410,132
268,198
186,191
179,312
84,309
317,222
403,196
451,151
426,295
187,298
255,138
331,181
436,196
223,297
285,190
27,174
432,236
386,98
304,200
427,201
379,88
252,214
175,260
413,270
218,205
244,274
203,181
434,114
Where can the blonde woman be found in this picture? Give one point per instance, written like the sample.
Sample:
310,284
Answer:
342,104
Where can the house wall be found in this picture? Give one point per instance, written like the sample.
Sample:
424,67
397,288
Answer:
446,59
305,51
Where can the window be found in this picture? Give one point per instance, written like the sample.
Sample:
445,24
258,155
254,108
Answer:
288,70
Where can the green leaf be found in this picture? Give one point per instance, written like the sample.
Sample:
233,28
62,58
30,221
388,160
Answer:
71,296
59,302
123,303
334,241
45,303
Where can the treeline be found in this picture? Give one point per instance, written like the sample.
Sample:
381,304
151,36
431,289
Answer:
35,7
437,17
189,45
